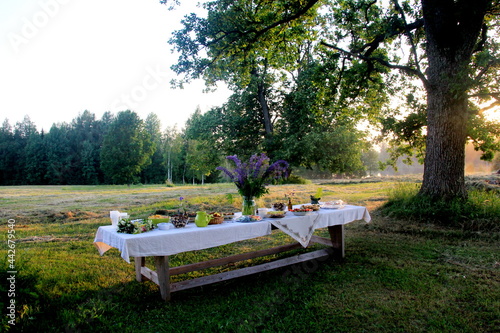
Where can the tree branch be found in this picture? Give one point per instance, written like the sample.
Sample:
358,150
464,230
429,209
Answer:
491,63
290,18
262,31
405,69
408,35
495,95
482,41
374,44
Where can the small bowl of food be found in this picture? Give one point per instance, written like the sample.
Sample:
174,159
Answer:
301,211
164,226
279,206
155,219
179,221
313,207
335,204
276,213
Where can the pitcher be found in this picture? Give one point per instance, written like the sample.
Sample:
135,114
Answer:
201,219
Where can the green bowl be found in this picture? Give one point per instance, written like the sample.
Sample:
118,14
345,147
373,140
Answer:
155,221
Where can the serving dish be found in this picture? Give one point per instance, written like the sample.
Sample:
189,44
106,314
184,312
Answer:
248,218
276,213
164,226
159,218
314,207
337,204
301,211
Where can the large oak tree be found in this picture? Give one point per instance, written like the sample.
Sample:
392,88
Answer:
450,46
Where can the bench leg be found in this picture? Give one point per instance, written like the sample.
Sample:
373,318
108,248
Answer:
163,271
139,263
337,237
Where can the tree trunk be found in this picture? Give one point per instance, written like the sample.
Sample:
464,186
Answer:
261,95
445,154
452,30
169,176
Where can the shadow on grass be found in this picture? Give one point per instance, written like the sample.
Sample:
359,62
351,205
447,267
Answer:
240,305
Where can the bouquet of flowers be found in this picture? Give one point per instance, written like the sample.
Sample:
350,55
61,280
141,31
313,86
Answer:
128,226
252,177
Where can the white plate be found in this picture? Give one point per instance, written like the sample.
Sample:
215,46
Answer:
301,213
164,226
332,206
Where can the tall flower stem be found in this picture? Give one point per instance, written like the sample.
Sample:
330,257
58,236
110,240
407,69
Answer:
252,177
249,206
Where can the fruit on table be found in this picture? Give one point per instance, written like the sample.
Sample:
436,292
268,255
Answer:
279,206
276,213
302,210
313,206
157,216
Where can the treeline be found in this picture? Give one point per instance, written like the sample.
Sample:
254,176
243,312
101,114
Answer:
124,149
116,149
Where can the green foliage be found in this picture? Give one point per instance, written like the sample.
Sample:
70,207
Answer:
485,136
237,38
337,150
294,179
127,149
202,158
481,211
155,172
285,88
70,153
404,130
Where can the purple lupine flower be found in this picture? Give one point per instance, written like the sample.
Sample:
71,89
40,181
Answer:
235,159
242,175
251,178
227,172
276,169
260,161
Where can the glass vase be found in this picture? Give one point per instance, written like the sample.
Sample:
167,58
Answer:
249,206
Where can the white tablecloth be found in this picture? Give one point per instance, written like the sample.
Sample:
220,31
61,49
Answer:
301,228
167,242
176,240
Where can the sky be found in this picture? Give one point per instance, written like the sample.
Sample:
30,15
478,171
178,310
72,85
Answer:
61,57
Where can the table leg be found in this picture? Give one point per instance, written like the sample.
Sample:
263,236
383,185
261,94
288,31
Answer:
139,262
337,237
163,271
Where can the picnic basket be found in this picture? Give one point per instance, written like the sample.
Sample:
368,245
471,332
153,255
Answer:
216,219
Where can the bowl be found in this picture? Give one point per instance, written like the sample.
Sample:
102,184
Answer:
300,213
179,221
159,218
276,213
279,206
336,204
314,207
248,218
164,226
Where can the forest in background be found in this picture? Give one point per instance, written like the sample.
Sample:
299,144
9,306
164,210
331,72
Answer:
91,151
124,149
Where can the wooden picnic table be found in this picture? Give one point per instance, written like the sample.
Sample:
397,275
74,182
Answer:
160,244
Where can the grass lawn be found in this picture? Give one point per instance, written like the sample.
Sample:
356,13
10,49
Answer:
397,276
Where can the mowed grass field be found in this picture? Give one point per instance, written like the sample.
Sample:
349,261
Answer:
398,275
